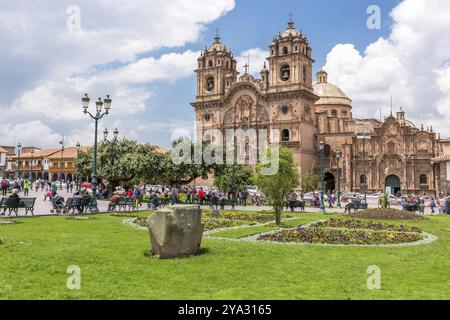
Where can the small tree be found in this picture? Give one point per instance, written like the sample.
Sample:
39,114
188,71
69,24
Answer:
310,182
243,176
278,186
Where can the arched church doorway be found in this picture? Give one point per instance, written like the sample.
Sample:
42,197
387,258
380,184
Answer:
329,182
393,182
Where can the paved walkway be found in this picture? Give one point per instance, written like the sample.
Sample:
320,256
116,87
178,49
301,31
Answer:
43,207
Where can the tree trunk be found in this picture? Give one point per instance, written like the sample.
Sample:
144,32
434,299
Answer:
277,215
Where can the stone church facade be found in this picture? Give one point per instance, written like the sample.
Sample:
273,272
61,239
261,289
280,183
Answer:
375,154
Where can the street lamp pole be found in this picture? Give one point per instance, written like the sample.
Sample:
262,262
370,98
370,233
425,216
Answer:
31,167
19,149
99,105
364,167
113,143
78,174
338,157
322,204
61,162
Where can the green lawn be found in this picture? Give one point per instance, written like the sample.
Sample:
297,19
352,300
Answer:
35,255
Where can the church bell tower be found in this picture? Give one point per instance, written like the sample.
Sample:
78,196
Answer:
216,72
290,61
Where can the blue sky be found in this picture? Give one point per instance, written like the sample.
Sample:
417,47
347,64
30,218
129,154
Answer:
253,24
144,54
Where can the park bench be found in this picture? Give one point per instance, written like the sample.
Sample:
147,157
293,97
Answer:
14,204
358,205
28,205
86,204
73,204
124,204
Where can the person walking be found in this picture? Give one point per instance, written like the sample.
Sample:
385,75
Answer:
5,186
432,205
201,196
26,187
188,196
447,204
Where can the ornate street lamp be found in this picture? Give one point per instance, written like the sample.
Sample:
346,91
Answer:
99,105
322,204
31,166
19,150
113,143
338,157
61,162
78,175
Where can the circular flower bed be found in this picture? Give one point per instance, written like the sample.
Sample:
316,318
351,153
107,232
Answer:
347,232
359,224
385,214
340,236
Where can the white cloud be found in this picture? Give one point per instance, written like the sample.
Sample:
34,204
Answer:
46,67
27,133
256,58
412,64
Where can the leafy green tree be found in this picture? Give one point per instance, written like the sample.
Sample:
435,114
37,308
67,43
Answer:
243,176
193,166
278,186
123,162
310,182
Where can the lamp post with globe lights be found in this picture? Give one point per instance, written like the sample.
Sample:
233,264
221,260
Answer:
100,105
19,150
322,204
338,157
78,175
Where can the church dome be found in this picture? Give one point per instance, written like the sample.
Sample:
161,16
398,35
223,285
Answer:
291,31
329,93
217,46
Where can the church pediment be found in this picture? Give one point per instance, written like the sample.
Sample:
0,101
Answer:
238,88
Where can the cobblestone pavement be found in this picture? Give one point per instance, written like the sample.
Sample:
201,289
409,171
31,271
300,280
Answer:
43,207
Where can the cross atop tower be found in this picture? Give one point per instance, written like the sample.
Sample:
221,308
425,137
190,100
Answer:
247,65
291,22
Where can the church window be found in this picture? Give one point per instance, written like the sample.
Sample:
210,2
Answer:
285,110
344,113
362,179
285,135
296,48
285,50
333,113
285,72
228,64
210,63
219,62
207,117
210,84
423,179
273,52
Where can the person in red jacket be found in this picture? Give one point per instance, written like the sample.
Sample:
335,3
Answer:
201,196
